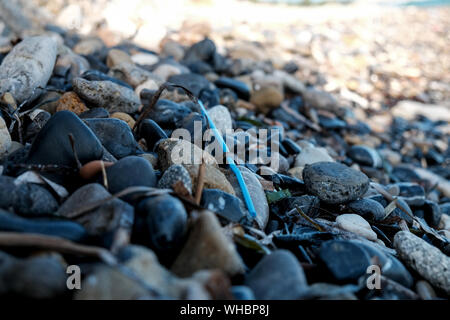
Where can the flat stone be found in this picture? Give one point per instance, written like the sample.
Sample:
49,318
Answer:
278,276
366,156
27,66
356,224
267,98
334,182
125,117
368,209
52,144
310,155
34,200
224,204
207,248
107,94
116,57
424,258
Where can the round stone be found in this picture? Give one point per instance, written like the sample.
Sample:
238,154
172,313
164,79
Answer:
334,182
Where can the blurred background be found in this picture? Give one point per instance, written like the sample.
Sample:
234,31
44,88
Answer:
372,52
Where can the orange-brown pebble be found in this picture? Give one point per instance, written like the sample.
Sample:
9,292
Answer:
125,117
91,169
70,101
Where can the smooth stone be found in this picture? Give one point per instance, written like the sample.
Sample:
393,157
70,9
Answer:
71,102
116,57
191,81
177,151
52,144
196,125
165,71
432,213
109,217
224,204
36,277
291,147
89,46
173,175
319,99
207,247
412,193
310,155
5,138
7,188
107,94
356,224
365,156
296,172
222,118
213,178
334,182
58,228
256,192
129,172
115,135
151,157
151,132
424,258
28,66
168,114
277,276
267,98
108,283
95,75
328,291
242,293
290,83
145,59
344,259
165,222
368,209
34,200
124,117
201,51
241,88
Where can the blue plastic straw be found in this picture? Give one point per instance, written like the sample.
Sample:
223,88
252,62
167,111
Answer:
230,161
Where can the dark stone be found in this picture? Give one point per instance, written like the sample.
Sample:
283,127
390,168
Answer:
403,173
365,156
115,135
335,183
39,277
95,113
242,293
37,124
241,88
345,260
168,114
174,174
291,147
59,228
331,123
129,172
199,67
412,193
210,98
151,132
368,209
432,213
52,144
33,200
201,51
7,190
308,204
224,204
192,121
191,81
278,276
165,221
